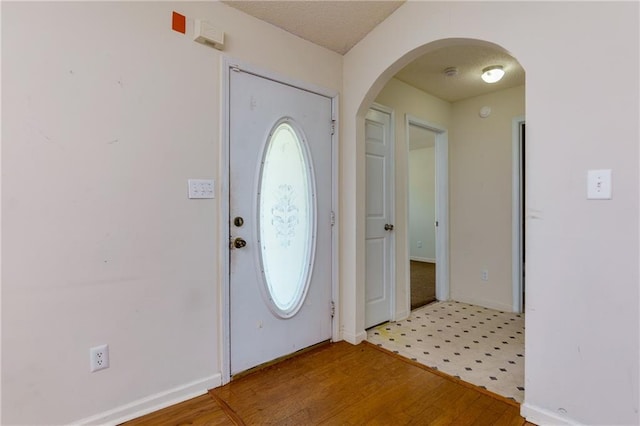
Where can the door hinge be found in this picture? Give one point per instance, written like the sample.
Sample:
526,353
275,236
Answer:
333,127
333,218
235,68
333,309
436,223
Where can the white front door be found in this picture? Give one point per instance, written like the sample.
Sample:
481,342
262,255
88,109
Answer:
379,259
280,191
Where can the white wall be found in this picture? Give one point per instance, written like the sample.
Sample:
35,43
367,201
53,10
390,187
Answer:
582,256
422,204
107,113
480,198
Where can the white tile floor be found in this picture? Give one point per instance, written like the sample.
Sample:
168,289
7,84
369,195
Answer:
479,345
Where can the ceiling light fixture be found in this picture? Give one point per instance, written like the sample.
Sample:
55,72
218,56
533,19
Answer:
492,74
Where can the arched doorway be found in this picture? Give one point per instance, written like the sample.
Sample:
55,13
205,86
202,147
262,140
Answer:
353,181
481,174
565,231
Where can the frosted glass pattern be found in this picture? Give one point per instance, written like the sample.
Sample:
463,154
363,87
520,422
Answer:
286,219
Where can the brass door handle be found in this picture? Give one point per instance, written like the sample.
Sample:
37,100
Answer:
388,227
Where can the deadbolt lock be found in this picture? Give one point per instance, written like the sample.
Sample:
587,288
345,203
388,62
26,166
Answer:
238,221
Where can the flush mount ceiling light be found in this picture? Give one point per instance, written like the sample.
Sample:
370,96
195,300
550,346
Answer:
492,74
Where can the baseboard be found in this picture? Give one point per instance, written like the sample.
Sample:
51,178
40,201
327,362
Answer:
153,403
423,259
540,416
356,338
504,307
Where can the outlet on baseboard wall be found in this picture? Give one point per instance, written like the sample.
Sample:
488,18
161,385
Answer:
98,358
484,275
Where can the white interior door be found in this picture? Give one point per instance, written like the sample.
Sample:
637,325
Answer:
280,219
379,254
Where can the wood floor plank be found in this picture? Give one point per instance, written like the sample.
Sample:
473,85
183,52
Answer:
511,417
477,412
455,404
375,407
202,410
342,384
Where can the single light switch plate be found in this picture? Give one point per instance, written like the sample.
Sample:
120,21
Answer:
201,188
599,184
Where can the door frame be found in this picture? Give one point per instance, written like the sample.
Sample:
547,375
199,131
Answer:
517,248
442,207
392,210
228,65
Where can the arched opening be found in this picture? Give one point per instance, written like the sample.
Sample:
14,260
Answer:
566,231
479,267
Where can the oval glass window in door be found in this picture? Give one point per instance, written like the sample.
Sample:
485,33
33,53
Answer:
286,219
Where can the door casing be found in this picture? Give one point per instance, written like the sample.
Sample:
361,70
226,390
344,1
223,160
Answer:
517,181
442,207
228,64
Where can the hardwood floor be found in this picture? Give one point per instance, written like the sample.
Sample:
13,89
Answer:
203,410
342,384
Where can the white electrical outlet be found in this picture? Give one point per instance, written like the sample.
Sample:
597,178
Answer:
484,275
98,358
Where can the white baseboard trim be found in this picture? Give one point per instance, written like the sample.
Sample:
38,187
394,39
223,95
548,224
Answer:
504,307
354,339
423,259
541,417
153,403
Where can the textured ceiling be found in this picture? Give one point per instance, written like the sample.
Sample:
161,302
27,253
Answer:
427,72
336,25
339,25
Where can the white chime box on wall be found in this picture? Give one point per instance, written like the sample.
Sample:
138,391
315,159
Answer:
206,33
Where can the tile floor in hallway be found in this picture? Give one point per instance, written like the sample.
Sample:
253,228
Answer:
481,346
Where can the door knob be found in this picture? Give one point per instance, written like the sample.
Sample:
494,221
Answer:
388,227
238,243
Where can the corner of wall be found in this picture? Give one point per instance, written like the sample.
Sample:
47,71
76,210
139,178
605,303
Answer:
354,338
